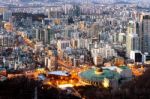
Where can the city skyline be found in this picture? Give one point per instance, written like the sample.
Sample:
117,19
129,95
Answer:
89,49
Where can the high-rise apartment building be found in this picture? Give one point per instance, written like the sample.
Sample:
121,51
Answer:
6,40
145,35
132,39
45,35
7,15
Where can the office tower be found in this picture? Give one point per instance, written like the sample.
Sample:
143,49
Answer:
132,39
50,35
38,34
139,29
145,34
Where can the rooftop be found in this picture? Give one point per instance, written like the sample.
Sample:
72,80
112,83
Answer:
59,73
92,76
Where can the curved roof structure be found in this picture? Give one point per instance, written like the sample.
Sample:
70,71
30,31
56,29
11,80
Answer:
90,75
59,73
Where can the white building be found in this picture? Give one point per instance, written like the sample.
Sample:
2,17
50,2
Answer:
50,63
121,38
6,40
98,60
39,46
137,56
105,51
132,43
132,38
146,58
63,44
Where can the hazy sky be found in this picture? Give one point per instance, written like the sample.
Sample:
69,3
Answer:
85,0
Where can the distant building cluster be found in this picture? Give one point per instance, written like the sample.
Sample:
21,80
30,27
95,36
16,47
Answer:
95,43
